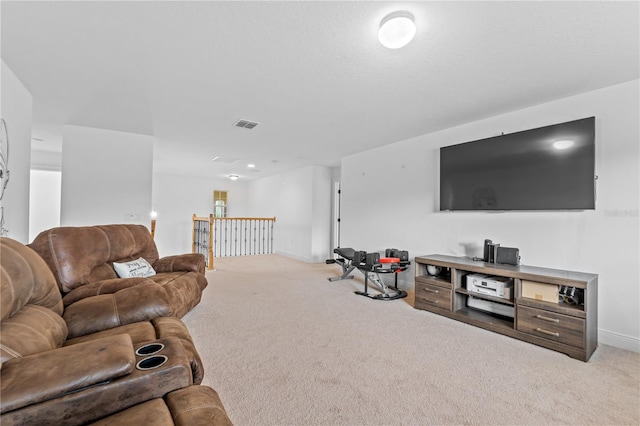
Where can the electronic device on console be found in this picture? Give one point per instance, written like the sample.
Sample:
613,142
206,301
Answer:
493,253
490,251
501,287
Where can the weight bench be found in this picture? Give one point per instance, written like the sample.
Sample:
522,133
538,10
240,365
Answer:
371,266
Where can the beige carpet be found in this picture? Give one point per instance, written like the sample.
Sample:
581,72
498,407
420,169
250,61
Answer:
284,346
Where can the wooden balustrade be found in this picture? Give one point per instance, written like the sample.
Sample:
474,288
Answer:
232,236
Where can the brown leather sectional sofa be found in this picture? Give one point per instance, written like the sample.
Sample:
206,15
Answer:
82,258
118,366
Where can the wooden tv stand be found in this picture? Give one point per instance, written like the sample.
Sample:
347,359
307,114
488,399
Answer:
564,327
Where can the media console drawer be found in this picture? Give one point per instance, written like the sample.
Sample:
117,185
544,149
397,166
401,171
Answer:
552,326
434,281
429,295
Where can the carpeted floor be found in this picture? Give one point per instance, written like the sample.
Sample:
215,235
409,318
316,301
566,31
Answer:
284,346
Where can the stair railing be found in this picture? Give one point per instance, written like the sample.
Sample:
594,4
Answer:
232,236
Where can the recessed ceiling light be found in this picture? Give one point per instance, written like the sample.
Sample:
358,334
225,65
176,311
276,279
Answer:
397,29
233,177
251,165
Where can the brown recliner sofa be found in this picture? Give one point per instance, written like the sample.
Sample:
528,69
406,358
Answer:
47,379
95,298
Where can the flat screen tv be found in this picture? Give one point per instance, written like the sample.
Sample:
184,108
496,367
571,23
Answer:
548,168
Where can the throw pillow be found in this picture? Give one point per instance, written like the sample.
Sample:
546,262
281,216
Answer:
134,268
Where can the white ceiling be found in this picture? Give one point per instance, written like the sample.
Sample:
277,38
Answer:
313,73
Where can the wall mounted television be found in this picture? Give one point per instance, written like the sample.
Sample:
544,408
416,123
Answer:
547,168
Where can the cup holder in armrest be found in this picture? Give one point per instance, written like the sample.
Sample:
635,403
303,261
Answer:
151,362
150,349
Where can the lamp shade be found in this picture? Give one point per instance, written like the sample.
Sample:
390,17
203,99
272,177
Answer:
397,29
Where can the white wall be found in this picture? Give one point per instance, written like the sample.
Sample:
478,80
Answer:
390,199
44,201
16,106
301,202
177,198
106,177
321,207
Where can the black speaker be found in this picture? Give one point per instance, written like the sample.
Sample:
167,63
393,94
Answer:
493,252
508,255
486,250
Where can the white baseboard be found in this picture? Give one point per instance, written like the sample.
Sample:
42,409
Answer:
618,340
294,256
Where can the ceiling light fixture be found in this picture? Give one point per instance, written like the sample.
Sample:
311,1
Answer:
233,177
397,29
563,144
251,165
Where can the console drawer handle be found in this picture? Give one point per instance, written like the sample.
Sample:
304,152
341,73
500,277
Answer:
433,302
550,333
431,291
542,317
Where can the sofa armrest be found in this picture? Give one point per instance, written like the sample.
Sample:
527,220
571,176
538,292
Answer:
197,405
134,304
189,262
51,374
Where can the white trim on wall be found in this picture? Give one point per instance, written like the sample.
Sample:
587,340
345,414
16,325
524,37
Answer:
621,341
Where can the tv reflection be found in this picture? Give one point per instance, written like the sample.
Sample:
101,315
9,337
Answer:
484,198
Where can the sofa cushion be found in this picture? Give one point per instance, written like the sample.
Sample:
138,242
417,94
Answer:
101,287
190,406
154,412
139,332
25,279
142,302
30,303
31,330
182,290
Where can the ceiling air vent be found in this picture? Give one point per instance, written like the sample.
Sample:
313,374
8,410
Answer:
246,124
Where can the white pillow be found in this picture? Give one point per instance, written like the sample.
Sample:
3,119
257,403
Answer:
134,268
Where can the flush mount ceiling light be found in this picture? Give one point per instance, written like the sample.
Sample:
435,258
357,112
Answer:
563,144
397,29
233,177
